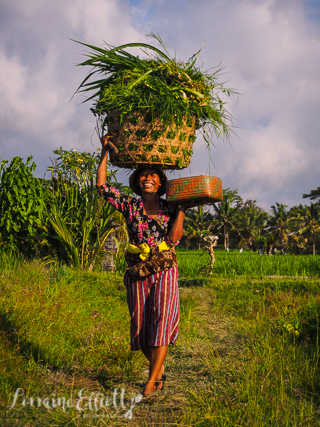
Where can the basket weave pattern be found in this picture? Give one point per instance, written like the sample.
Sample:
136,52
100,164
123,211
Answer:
193,188
145,142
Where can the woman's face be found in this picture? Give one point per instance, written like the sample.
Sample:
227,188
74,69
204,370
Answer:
149,181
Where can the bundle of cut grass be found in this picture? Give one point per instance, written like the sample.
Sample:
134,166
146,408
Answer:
152,106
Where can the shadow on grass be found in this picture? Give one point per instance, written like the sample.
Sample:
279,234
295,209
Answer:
29,350
25,347
198,283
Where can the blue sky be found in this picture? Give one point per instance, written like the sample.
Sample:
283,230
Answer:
271,51
312,8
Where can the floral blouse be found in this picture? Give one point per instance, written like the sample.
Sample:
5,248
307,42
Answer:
141,227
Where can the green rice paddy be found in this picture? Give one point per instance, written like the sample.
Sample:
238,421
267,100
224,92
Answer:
233,264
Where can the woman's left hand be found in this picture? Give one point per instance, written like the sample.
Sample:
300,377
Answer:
192,204
177,227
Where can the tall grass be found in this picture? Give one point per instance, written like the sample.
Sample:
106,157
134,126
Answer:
60,316
66,321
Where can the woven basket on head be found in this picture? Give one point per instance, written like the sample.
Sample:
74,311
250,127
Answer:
143,141
205,188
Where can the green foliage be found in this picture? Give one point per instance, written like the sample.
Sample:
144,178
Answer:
243,224
22,204
74,166
310,224
250,220
158,84
198,221
133,147
155,134
225,215
79,222
314,194
174,149
171,134
61,219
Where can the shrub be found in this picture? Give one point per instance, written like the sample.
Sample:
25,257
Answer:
22,204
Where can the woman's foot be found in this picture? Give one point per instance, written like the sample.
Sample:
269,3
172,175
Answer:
149,388
160,379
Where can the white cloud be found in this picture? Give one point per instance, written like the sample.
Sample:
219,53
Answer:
39,75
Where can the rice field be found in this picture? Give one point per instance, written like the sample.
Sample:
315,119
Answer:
233,264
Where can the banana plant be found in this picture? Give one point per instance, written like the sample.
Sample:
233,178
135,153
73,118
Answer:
79,222
81,240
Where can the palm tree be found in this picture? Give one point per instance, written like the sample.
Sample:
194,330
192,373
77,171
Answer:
278,224
297,219
311,225
197,221
250,222
225,214
314,194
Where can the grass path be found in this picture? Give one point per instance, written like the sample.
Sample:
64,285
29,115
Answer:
206,336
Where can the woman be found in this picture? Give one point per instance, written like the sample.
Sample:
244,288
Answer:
151,279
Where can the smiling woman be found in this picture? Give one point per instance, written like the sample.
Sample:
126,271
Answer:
151,278
149,180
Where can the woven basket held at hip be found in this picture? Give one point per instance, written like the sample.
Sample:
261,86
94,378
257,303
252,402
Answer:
208,188
143,141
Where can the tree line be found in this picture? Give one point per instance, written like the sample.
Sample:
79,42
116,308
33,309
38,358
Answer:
243,224
61,218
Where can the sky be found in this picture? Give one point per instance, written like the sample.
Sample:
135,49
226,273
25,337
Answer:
270,50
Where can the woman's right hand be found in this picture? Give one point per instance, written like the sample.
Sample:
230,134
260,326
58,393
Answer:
104,141
107,144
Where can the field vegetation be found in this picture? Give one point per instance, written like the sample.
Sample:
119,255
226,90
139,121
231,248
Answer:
247,354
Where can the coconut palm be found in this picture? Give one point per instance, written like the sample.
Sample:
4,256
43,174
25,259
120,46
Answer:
297,241
313,195
197,221
311,224
279,225
225,215
250,221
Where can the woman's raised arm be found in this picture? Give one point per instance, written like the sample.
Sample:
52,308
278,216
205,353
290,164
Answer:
102,167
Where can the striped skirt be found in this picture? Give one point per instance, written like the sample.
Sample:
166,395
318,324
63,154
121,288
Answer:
154,309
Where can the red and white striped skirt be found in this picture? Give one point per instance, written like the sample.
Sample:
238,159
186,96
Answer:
154,309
